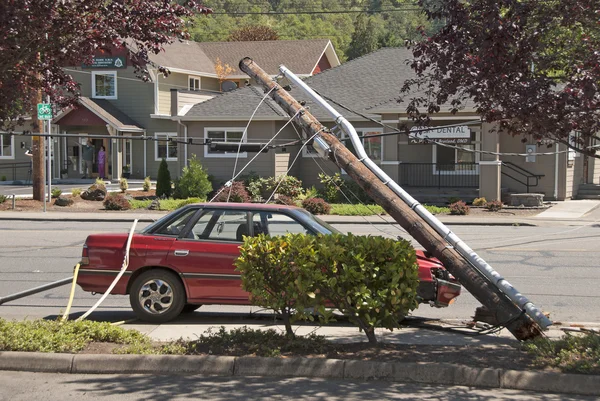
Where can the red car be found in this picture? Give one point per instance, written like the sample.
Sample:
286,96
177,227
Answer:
185,259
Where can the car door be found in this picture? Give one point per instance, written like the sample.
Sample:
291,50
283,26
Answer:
205,255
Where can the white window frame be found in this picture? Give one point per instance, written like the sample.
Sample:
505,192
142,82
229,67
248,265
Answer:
224,154
96,96
166,135
360,132
12,146
476,146
195,78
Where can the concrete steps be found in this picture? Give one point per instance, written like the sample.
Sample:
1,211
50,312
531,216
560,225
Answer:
589,191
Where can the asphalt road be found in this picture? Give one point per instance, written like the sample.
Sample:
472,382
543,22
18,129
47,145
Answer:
25,386
556,267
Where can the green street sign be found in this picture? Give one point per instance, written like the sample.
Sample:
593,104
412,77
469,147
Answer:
44,111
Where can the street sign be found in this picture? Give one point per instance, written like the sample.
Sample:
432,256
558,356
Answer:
44,111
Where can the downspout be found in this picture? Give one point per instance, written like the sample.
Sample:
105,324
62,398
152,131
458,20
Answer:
185,139
462,248
556,171
145,162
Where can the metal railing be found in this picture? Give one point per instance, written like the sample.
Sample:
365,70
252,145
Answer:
9,170
437,175
520,175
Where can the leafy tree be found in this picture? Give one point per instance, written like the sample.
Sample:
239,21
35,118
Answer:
194,181
163,182
532,66
364,38
39,38
253,33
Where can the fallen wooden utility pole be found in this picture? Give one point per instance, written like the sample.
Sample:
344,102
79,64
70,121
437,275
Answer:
517,322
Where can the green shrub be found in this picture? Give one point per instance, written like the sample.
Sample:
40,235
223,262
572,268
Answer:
69,336
336,186
249,178
459,208
236,193
56,192
453,199
165,204
371,280
75,192
494,206
263,188
311,192
3,178
193,181
147,184
100,181
116,202
436,209
123,184
316,206
279,273
479,201
163,182
3,198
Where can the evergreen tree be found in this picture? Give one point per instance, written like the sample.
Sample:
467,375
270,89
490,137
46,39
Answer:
365,38
163,182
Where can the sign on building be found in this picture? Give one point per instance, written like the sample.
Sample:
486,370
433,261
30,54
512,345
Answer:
460,135
107,62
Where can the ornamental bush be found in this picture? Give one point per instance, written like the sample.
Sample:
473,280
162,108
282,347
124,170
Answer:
316,206
194,181
116,201
459,208
237,193
163,182
371,280
285,200
494,206
479,202
123,184
263,188
336,186
280,274
147,184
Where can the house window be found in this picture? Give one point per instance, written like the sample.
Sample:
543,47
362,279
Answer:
104,84
7,148
455,160
194,83
230,135
373,146
163,148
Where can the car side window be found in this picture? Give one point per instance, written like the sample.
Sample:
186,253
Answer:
221,225
175,227
275,224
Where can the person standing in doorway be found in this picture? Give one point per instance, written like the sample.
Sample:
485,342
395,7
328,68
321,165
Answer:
87,155
101,161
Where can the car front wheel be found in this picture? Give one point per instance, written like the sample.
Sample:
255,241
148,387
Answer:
157,296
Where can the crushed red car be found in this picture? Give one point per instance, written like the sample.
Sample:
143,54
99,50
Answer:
185,259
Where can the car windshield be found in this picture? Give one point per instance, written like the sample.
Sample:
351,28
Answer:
150,228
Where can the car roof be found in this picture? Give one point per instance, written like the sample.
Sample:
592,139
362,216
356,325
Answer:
249,206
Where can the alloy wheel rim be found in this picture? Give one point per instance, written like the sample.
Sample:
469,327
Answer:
156,296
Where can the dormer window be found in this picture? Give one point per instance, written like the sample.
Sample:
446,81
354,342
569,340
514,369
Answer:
194,83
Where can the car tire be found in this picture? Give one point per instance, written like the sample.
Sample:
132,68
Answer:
157,296
189,308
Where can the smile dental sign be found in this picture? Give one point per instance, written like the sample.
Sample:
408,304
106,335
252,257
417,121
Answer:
451,135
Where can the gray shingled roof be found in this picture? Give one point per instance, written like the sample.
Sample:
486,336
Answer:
109,113
185,55
365,84
301,56
237,104
358,84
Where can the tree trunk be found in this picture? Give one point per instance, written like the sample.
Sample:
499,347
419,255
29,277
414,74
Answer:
285,314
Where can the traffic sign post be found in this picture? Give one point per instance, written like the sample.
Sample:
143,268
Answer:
44,111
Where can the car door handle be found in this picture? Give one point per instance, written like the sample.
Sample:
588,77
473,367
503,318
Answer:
181,252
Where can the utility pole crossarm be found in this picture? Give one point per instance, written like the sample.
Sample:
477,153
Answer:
518,323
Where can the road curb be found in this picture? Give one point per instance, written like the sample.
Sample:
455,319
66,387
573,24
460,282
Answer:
414,372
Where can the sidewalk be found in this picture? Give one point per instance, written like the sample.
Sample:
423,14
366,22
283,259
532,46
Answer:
571,212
